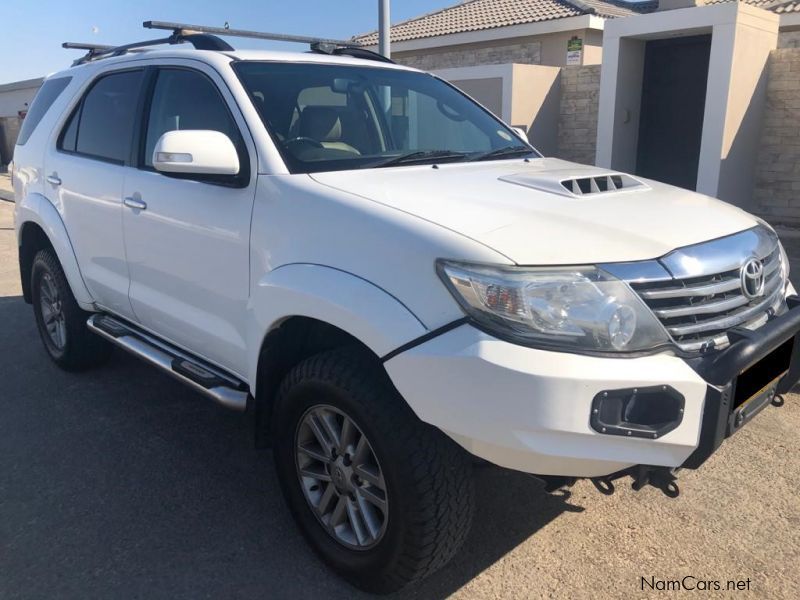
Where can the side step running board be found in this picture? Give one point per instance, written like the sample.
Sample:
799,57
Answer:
206,379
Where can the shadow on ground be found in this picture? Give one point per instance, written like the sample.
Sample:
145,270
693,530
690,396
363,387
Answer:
121,483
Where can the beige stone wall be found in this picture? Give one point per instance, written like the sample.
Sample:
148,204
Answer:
577,121
777,186
469,56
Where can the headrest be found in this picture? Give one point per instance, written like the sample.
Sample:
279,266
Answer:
321,123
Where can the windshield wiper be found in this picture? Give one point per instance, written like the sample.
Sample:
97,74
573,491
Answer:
504,152
420,156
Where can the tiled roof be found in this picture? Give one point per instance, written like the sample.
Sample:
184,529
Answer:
475,15
776,6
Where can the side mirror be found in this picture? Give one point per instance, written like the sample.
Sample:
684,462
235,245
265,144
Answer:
196,151
521,133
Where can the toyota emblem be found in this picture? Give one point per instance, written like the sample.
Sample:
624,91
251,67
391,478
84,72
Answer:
752,278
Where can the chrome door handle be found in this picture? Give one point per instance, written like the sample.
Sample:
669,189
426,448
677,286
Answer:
54,179
131,202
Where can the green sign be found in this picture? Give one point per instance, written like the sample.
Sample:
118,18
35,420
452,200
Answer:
575,51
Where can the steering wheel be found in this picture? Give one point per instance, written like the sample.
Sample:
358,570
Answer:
303,140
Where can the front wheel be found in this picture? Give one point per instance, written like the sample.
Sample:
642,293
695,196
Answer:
384,498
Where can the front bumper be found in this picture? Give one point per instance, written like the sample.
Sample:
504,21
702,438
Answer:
531,410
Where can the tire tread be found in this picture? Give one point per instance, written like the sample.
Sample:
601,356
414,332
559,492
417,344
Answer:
438,470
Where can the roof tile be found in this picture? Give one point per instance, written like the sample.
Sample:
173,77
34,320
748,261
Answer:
475,15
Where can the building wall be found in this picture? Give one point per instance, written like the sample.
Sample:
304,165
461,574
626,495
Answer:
9,130
777,185
755,38
488,91
536,105
577,121
16,99
529,52
547,49
789,39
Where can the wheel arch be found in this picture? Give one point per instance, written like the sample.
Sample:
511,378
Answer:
308,309
39,226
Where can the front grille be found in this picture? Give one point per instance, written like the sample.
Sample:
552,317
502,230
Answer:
697,312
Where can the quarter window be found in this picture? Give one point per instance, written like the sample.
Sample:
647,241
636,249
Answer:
44,99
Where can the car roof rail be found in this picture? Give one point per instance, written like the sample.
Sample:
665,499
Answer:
200,41
203,37
318,45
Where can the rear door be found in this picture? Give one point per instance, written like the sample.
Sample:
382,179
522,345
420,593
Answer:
188,249
85,168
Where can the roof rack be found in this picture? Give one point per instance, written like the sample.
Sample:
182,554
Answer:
205,38
200,41
318,45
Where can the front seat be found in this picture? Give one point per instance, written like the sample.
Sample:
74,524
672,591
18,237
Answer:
322,123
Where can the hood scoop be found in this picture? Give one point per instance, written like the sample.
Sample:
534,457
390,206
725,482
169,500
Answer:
576,187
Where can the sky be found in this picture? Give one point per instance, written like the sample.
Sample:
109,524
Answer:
33,30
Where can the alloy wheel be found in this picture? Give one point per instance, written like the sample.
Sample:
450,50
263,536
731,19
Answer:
52,312
341,477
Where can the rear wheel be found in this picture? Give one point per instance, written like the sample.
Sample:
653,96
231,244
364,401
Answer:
61,322
384,498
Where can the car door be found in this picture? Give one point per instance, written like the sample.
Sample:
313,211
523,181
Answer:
187,237
85,167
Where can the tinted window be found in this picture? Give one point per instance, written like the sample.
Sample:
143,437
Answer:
329,117
69,135
44,99
185,100
107,116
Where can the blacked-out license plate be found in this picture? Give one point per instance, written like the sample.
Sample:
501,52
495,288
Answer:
758,379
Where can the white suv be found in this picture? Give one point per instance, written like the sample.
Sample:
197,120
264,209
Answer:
393,280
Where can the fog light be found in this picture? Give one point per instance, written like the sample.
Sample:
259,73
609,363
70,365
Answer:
647,412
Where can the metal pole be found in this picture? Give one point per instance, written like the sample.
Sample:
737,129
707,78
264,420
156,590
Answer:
384,29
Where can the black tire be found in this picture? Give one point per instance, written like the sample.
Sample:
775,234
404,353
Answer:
429,484
78,349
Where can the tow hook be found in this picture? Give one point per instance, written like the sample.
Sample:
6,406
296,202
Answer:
661,478
777,400
604,485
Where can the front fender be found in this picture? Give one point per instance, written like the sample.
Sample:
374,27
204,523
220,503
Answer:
367,312
37,209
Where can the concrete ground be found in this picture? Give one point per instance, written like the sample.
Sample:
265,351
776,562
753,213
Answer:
120,483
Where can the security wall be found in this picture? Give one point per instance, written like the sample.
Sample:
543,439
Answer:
777,186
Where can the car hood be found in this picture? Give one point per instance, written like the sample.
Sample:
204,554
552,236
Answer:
525,212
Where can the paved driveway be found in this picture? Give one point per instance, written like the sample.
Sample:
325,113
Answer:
119,483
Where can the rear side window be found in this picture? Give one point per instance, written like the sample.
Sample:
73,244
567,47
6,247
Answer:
102,125
47,94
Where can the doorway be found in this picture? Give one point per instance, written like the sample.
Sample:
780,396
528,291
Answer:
673,102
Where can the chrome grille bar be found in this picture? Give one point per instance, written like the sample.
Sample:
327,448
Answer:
709,308
725,322
702,290
701,297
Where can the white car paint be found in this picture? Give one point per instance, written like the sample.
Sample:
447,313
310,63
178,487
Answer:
521,222
213,270
196,151
523,406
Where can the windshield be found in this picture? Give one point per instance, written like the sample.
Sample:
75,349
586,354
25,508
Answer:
335,117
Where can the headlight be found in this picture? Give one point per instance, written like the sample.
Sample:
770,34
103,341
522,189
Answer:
580,308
